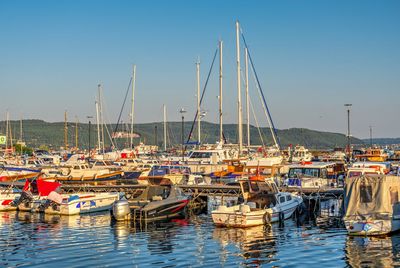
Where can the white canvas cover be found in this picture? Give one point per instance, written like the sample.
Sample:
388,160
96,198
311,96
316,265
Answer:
371,197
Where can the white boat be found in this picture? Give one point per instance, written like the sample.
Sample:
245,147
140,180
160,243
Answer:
42,196
372,205
300,153
312,175
263,204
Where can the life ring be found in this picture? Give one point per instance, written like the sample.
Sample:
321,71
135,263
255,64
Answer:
267,219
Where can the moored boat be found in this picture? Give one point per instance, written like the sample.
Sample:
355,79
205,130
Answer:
263,204
372,205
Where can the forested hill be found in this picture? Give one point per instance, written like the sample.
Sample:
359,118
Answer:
37,132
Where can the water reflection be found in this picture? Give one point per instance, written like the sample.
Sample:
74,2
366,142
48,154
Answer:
256,244
373,251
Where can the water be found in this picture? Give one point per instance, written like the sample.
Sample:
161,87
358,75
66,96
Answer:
34,240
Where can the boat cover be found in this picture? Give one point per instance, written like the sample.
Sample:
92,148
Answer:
371,197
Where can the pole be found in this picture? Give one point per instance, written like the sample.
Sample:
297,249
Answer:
198,102
239,102
76,133
247,98
165,127
221,137
65,130
348,105
133,104
98,126
155,136
370,135
183,147
90,123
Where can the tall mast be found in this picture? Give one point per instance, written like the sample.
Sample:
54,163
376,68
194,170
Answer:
247,97
20,130
165,127
76,133
221,138
7,127
240,126
65,130
198,102
98,122
101,118
133,104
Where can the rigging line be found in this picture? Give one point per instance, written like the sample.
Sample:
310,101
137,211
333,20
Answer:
266,115
262,93
258,126
123,105
105,125
202,95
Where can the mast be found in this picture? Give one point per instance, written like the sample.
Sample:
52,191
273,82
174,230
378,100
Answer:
20,130
247,97
101,118
198,101
221,135
165,127
7,127
65,130
133,104
240,126
98,123
76,133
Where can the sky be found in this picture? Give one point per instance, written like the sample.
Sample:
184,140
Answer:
311,57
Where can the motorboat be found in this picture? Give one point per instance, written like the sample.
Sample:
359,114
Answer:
299,154
156,202
8,198
263,204
165,174
43,196
313,175
371,204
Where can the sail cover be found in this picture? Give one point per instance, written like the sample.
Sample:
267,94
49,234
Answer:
371,197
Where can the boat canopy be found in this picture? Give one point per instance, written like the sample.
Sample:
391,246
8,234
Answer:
371,197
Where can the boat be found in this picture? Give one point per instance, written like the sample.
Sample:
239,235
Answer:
156,202
371,204
373,155
39,195
166,174
313,175
263,204
299,154
81,173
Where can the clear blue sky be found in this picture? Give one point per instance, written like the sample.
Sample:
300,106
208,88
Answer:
311,57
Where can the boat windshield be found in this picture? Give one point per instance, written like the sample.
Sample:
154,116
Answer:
200,155
309,172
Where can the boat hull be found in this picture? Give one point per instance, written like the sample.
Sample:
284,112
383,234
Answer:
372,227
7,201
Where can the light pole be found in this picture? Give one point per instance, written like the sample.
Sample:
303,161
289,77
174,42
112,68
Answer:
348,106
182,112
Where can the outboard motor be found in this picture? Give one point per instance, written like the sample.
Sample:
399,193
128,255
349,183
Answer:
121,210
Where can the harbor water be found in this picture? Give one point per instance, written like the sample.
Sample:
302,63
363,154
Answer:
38,240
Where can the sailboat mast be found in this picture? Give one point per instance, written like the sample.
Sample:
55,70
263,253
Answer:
133,104
7,127
101,118
76,133
247,96
165,127
65,130
240,124
98,121
221,138
198,102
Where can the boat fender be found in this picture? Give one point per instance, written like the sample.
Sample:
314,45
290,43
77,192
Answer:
267,219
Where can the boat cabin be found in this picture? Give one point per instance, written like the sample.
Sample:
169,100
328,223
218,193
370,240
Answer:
259,191
314,174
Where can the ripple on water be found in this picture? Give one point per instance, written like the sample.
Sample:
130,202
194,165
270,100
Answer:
34,240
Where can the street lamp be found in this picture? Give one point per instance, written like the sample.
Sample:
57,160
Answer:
90,123
182,112
348,106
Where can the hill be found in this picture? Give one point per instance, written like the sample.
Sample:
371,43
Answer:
38,132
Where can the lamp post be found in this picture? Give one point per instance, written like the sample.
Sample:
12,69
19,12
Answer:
90,124
348,106
182,112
